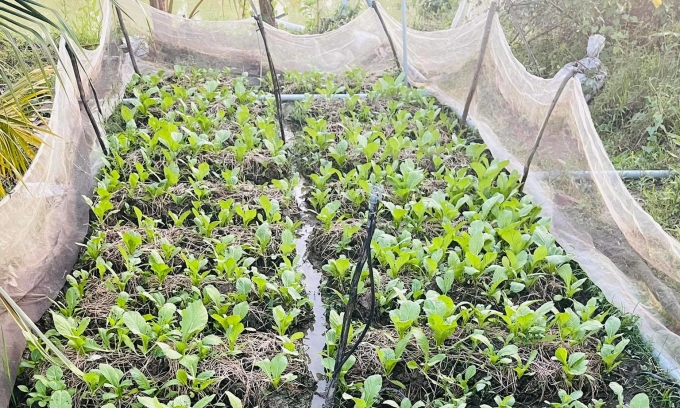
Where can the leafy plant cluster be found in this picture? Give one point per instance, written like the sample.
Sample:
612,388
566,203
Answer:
191,258
189,293
476,303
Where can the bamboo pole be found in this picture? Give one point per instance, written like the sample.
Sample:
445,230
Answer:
480,60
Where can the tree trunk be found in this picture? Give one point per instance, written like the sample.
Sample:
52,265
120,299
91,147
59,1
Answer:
267,12
159,4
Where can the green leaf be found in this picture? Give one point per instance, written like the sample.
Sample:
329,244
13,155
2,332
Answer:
372,387
476,242
234,401
561,355
168,351
423,342
54,373
508,351
203,402
612,325
241,310
540,253
149,402
639,401
409,311
136,323
616,387
278,365
190,362
126,113
62,325
194,319
112,375
61,399
516,287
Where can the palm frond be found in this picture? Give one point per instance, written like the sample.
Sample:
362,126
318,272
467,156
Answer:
21,109
34,336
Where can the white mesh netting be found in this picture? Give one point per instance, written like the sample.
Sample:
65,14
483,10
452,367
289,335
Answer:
621,248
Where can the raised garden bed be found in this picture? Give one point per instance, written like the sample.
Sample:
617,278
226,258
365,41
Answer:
191,290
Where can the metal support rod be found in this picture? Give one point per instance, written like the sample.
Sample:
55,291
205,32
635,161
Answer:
81,91
404,40
374,5
272,70
480,60
543,126
128,43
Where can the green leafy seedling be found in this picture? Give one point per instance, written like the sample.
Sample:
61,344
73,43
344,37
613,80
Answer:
274,369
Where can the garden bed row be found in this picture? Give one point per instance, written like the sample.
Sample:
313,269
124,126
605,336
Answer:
190,290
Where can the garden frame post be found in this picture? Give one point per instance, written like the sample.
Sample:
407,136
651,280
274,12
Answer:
527,165
272,70
128,44
480,60
374,6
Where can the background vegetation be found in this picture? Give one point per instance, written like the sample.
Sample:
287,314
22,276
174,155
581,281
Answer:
638,112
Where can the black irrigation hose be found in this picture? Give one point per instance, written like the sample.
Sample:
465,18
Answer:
369,319
272,70
659,378
364,257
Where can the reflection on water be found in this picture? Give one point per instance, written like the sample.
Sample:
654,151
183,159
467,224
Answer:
315,339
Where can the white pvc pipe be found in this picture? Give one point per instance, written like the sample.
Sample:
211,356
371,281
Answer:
300,97
291,26
404,40
624,174
284,97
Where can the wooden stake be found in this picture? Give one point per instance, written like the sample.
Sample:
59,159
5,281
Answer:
389,37
81,91
480,60
128,43
542,130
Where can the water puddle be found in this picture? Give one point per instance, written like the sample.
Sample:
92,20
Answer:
315,338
